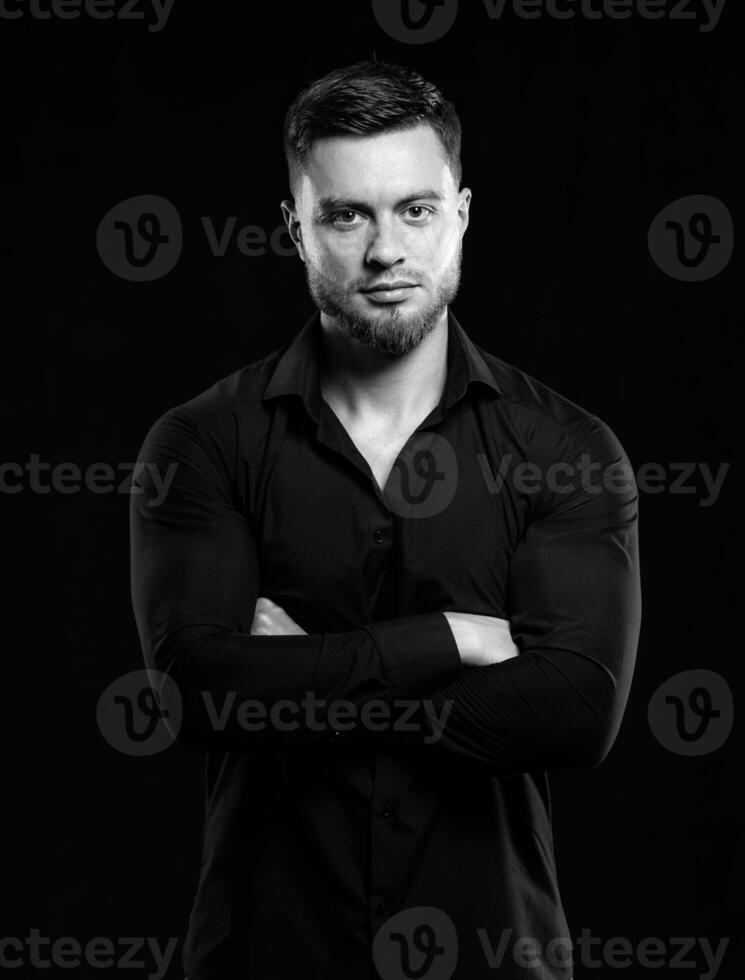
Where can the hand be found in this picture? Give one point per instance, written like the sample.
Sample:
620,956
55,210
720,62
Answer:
271,620
481,640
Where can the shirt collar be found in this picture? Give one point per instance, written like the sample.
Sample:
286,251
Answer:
297,370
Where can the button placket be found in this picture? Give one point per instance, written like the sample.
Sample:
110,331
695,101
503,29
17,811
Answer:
387,809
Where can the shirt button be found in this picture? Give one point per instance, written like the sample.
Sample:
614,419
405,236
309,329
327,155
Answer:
379,536
387,809
383,909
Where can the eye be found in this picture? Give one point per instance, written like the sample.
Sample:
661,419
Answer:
419,214
345,218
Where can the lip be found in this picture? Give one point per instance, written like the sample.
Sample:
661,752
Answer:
392,292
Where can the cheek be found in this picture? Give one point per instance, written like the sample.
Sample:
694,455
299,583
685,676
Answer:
335,257
438,248
346,252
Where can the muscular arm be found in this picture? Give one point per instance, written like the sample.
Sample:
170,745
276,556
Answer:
195,580
575,610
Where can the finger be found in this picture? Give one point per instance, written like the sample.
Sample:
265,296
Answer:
267,603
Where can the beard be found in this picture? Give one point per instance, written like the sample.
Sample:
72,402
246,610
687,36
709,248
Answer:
391,331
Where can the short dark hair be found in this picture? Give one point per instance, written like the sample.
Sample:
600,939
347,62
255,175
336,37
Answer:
367,98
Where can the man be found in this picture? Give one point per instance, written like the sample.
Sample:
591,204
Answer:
395,581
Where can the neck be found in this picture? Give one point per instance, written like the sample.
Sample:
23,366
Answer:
364,383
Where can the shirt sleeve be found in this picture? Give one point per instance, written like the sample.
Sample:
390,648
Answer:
575,613
195,578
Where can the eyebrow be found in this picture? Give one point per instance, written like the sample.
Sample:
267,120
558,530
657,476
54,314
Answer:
327,204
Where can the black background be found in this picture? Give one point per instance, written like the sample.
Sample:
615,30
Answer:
576,134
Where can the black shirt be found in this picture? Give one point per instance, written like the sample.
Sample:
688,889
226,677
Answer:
415,819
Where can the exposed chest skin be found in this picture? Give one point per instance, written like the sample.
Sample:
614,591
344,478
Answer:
379,442
380,449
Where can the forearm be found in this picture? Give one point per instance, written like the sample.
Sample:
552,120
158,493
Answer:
241,691
539,711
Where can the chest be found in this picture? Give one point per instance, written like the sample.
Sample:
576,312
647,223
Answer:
378,441
379,448
336,551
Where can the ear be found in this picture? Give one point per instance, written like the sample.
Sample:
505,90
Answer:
464,206
289,213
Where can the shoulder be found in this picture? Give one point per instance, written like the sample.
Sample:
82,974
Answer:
237,392
215,415
544,419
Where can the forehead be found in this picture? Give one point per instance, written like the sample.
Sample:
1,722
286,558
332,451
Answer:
391,162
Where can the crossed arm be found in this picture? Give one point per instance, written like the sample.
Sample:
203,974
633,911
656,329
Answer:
546,690
481,640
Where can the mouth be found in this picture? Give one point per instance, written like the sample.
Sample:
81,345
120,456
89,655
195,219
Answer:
390,292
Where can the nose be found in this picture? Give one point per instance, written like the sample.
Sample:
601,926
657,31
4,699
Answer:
386,245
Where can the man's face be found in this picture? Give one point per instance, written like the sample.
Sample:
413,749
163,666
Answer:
378,221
